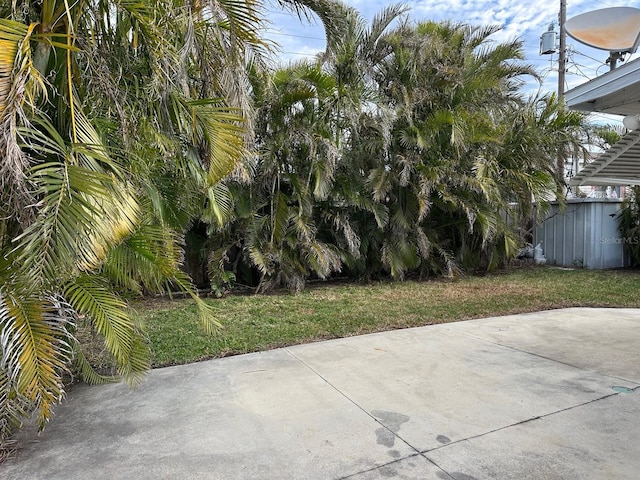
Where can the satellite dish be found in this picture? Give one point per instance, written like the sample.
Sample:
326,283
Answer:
616,29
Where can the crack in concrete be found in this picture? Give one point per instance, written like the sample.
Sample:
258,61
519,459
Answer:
352,401
539,417
373,469
516,349
356,404
370,415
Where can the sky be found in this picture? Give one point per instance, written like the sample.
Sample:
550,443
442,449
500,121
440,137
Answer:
524,19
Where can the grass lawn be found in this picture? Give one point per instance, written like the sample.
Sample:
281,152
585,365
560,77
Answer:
253,323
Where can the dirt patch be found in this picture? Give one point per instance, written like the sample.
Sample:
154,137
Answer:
158,303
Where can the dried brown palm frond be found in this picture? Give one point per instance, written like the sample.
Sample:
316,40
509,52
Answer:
18,79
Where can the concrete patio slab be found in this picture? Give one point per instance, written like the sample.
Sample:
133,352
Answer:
253,416
440,386
588,338
590,442
495,398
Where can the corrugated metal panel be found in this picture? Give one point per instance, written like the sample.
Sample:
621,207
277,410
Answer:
585,234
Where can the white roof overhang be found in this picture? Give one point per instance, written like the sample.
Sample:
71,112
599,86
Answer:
616,92
620,165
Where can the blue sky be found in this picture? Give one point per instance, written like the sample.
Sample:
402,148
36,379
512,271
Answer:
522,19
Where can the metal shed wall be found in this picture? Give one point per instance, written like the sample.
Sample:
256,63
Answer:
585,235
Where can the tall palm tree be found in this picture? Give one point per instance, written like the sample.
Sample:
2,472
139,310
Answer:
116,125
353,55
360,121
456,97
118,119
294,169
306,194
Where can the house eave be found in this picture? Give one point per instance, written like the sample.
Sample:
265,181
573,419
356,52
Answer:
609,93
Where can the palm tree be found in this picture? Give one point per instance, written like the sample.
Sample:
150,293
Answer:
456,98
360,121
352,57
294,169
116,126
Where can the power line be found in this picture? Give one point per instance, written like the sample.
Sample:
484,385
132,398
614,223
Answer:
292,35
303,54
580,72
587,56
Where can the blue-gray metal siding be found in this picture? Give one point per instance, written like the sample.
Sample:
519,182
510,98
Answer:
585,234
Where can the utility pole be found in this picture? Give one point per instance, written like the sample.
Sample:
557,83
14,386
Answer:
562,67
562,55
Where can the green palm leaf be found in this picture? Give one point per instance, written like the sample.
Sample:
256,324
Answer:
67,234
91,296
36,347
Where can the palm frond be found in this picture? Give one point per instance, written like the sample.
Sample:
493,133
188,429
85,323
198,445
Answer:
145,260
332,14
220,129
36,347
207,314
19,83
80,218
398,255
323,258
87,372
280,220
219,208
91,296
381,22
14,409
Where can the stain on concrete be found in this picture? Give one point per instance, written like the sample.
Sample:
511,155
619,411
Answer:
443,439
392,421
388,472
385,437
462,476
577,386
394,453
455,476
